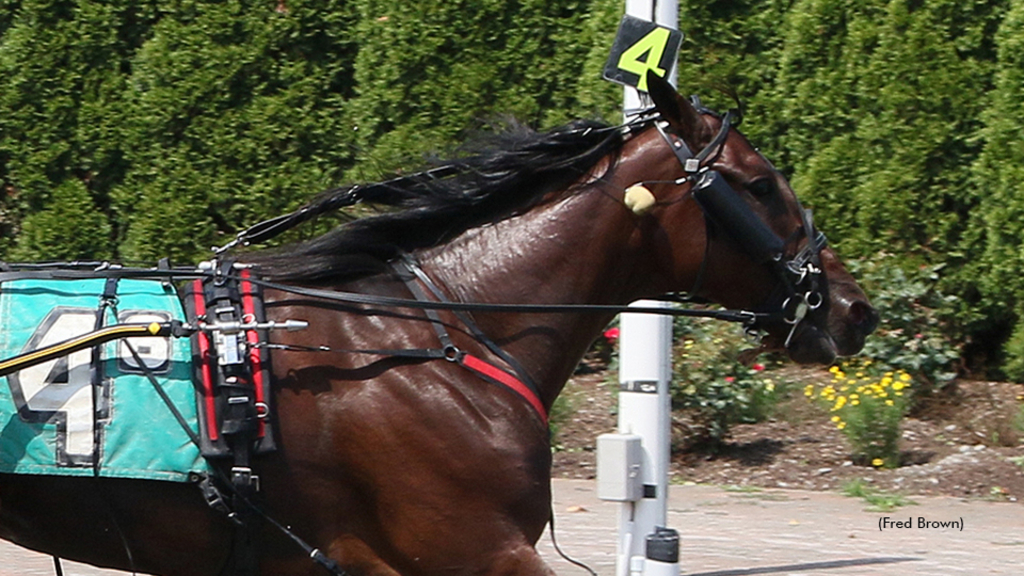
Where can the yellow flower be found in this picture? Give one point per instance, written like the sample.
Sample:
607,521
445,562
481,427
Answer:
877,462
888,402
834,369
904,377
855,403
899,386
841,425
809,390
837,419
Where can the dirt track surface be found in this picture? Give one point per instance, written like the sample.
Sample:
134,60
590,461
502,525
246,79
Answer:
771,532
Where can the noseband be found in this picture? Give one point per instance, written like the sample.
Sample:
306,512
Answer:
799,276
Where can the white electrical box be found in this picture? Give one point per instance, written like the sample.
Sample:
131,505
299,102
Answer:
619,457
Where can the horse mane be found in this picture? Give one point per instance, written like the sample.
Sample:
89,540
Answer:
493,179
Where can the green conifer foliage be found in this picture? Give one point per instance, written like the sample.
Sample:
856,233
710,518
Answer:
61,105
68,228
733,47
237,113
431,70
879,130
596,97
998,237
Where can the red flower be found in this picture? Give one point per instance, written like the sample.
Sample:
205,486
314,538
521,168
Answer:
730,379
758,367
611,335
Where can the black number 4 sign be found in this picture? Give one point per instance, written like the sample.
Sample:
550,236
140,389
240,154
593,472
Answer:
641,45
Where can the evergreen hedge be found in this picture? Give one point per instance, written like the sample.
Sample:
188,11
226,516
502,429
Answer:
134,129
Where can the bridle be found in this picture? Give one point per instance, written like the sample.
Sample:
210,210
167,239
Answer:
800,276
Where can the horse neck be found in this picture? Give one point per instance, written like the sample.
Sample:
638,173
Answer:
586,248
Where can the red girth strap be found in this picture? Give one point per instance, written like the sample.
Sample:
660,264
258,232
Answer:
492,373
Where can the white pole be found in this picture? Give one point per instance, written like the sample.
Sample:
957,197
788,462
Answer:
645,371
645,368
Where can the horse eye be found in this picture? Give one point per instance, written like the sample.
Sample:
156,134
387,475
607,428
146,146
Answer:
762,187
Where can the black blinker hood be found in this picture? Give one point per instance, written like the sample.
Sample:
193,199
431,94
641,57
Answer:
728,210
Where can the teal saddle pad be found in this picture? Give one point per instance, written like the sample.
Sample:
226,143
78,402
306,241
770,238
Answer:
64,416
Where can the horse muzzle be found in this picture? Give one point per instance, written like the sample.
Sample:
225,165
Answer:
812,345
840,329
852,320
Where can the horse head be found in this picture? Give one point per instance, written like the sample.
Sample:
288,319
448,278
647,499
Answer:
761,250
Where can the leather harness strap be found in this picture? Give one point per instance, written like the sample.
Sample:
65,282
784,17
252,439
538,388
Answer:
412,275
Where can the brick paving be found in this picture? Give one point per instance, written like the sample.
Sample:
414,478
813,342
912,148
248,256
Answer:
789,532
772,532
17,561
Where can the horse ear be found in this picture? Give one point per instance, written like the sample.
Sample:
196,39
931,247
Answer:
678,111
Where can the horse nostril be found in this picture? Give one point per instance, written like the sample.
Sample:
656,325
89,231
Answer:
864,316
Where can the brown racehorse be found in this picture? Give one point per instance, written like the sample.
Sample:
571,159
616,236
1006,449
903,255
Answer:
398,465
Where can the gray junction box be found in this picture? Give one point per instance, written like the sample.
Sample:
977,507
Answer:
619,458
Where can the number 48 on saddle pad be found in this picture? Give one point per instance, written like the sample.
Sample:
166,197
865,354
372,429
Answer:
94,411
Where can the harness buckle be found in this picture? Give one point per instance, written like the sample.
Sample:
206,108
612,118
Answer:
753,334
814,299
243,478
212,495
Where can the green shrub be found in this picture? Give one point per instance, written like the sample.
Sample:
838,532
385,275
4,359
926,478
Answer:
713,385
916,333
868,405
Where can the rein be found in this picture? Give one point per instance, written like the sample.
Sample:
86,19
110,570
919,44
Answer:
105,270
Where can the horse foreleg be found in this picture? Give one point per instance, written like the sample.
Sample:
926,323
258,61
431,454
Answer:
522,560
352,554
